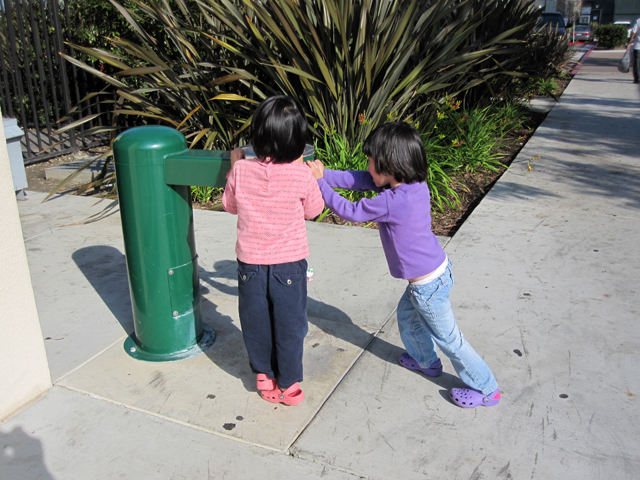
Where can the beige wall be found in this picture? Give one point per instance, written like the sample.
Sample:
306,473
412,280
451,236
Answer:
24,371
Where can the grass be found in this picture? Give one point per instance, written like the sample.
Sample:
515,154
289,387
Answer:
205,194
539,87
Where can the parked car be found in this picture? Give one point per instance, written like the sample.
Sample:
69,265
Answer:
627,24
552,22
582,33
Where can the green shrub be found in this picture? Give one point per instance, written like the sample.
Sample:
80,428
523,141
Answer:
547,53
202,66
347,60
465,140
337,153
611,36
205,194
541,87
457,140
342,60
460,140
510,62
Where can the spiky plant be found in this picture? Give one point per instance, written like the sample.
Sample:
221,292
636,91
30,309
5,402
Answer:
356,64
353,65
179,78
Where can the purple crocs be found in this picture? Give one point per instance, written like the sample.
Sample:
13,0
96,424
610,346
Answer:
433,370
470,398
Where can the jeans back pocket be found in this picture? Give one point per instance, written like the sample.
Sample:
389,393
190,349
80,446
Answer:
245,274
288,279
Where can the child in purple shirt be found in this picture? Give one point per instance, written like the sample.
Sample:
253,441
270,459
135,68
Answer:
397,169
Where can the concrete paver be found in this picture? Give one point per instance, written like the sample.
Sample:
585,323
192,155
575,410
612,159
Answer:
71,436
386,422
214,390
546,291
79,276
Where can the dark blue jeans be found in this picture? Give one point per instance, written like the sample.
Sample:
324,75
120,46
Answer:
635,59
273,314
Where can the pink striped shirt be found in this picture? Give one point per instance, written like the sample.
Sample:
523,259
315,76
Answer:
272,201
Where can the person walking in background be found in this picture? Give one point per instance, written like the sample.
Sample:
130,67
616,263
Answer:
272,196
634,44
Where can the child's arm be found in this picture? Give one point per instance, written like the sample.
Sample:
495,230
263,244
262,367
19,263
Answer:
313,204
356,180
236,154
366,210
229,195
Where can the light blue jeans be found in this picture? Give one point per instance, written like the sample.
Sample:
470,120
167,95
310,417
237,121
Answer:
425,319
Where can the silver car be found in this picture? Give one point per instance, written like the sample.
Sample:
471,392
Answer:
582,33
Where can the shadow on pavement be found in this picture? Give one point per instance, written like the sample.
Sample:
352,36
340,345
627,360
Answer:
610,60
615,181
22,457
601,80
631,106
504,190
106,269
317,310
319,313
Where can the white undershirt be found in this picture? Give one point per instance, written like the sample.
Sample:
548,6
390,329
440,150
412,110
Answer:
435,274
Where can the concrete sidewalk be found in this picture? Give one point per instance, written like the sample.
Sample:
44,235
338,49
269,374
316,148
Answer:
546,290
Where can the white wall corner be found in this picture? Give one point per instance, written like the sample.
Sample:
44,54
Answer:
24,370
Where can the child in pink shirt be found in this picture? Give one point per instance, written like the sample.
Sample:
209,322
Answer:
272,196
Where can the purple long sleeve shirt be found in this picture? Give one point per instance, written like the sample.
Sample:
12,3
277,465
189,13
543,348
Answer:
403,216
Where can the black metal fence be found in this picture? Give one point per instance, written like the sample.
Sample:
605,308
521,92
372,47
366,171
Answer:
39,87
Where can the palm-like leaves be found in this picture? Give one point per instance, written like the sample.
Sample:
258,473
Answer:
175,80
353,64
344,59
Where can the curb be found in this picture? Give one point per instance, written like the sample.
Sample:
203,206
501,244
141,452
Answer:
582,59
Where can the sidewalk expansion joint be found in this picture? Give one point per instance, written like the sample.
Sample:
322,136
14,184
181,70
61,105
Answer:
169,419
342,377
89,360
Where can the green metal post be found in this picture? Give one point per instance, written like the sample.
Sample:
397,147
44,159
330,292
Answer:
154,170
157,225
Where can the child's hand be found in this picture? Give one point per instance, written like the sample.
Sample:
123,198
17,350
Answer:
317,168
236,154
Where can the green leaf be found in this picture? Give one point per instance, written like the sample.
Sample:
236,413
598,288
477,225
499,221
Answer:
141,71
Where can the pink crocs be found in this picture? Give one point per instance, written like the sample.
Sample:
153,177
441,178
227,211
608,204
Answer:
291,396
265,383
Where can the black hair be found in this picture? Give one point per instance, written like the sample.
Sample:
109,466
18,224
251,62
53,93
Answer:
396,149
279,129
